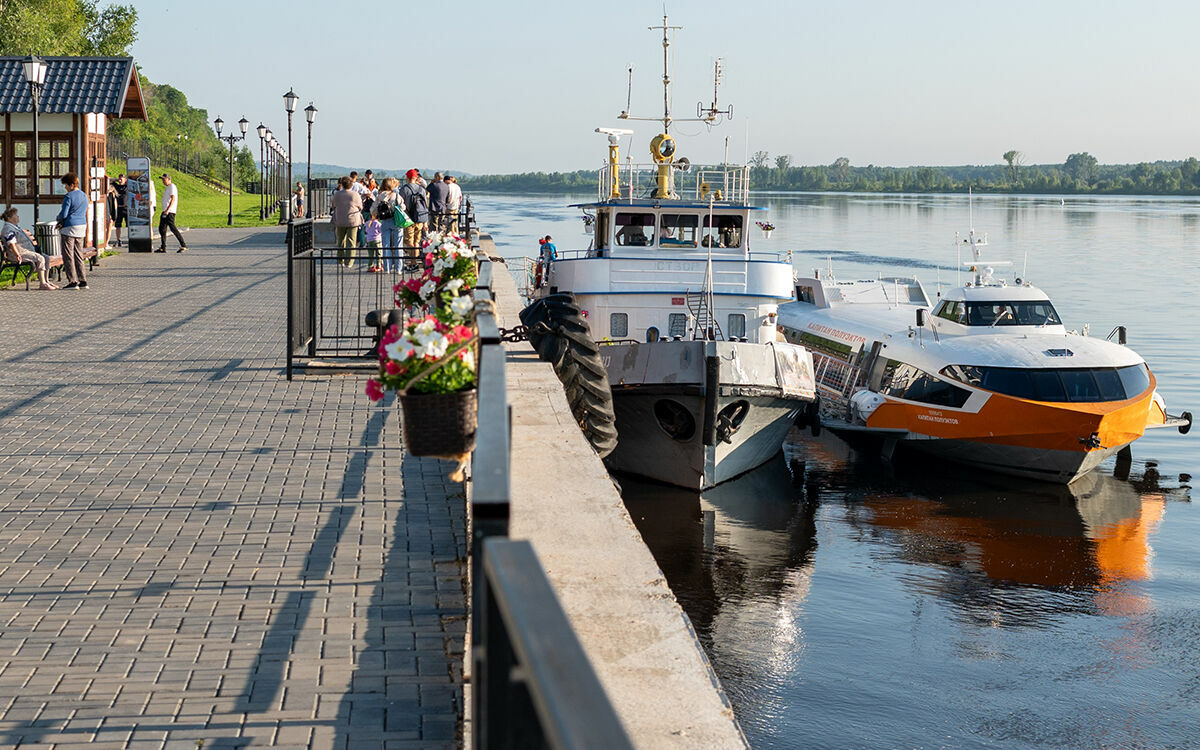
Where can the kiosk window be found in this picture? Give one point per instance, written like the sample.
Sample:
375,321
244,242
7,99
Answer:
678,230
635,230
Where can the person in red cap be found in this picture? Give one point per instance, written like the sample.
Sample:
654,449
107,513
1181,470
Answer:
416,205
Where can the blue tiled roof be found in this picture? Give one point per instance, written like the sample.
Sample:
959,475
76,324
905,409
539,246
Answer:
73,85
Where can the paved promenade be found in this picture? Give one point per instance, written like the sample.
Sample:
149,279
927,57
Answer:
192,548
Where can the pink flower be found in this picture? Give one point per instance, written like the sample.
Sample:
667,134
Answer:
374,390
461,333
429,260
393,367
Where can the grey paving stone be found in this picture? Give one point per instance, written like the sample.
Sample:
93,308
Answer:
193,548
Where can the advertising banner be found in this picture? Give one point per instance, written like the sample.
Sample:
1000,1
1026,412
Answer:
139,201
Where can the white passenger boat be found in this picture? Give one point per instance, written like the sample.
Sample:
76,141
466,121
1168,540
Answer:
703,389
986,375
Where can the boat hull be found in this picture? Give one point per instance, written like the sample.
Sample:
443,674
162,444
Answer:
695,413
645,449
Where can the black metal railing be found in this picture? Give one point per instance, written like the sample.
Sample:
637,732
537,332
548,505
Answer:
532,683
320,190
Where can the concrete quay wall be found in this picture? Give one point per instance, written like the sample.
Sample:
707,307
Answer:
631,627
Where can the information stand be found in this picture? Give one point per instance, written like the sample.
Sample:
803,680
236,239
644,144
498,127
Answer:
139,202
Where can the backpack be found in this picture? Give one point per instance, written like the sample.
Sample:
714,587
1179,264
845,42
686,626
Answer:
385,211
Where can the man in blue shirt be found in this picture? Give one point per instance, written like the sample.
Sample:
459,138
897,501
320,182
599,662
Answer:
549,251
72,223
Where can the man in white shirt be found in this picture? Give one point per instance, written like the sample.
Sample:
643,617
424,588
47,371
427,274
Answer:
453,203
167,221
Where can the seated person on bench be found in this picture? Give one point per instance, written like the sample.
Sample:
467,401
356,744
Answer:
17,246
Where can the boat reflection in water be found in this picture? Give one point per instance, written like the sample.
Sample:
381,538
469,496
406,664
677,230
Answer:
1088,540
819,645
739,558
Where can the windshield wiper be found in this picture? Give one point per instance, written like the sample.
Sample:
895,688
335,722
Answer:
1004,314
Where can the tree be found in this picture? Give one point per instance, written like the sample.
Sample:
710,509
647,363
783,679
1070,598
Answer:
1013,159
841,168
783,163
759,160
66,27
1082,167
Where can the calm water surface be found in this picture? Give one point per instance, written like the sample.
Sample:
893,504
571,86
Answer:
847,603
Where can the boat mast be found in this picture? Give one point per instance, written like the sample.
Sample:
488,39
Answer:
666,118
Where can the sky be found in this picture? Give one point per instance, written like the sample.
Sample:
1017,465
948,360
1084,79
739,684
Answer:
498,86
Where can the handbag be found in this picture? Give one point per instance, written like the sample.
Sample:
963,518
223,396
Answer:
401,218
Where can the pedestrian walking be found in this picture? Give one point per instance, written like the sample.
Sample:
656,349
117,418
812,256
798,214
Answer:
167,220
346,206
72,224
373,232
416,205
121,214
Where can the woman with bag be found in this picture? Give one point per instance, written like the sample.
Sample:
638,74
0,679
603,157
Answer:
390,213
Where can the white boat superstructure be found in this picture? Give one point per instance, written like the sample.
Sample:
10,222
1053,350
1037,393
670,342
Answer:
987,375
685,310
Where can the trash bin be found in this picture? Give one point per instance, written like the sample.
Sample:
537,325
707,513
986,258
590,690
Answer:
49,241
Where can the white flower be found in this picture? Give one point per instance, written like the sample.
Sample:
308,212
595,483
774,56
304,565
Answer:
440,265
468,357
424,328
461,305
428,289
435,346
453,285
400,349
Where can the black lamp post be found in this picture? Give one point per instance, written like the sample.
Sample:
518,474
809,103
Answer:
289,103
243,125
35,76
310,114
262,170
270,141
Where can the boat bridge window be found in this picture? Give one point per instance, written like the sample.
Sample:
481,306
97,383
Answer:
678,230
1039,313
1078,385
634,229
905,381
953,311
728,231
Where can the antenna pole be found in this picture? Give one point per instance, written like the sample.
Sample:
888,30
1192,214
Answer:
666,78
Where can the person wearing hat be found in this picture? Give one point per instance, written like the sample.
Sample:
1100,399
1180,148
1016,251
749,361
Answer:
416,205
167,219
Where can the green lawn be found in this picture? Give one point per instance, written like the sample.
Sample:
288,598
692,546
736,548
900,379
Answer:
202,206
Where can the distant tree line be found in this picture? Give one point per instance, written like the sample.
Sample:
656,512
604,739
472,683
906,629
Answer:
1080,173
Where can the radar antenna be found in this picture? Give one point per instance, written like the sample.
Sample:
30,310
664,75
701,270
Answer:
712,112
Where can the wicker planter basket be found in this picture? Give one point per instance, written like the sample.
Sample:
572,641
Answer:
439,424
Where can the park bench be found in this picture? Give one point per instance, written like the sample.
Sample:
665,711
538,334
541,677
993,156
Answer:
27,268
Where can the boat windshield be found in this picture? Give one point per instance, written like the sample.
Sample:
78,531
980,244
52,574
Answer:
1037,313
1056,384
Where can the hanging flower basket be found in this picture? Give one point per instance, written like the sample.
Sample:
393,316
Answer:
767,234
766,227
439,424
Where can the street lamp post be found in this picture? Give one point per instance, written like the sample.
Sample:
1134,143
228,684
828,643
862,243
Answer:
310,114
243,125
181,140
289,103
35,76
270,188
262,171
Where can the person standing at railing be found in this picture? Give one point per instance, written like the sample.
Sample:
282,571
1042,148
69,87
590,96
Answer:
387,203
454,196
346,206
438,190
298,200
416,205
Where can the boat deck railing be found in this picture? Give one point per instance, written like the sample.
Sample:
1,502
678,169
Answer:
836,380
725,183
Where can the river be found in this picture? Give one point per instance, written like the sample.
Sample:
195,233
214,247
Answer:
844,602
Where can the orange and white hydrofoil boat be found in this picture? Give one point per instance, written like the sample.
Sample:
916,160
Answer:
987,375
